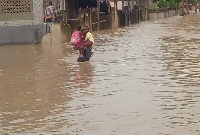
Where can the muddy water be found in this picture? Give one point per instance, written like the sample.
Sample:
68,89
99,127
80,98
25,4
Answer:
142,80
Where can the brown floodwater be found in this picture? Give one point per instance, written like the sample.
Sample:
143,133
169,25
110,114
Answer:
142,80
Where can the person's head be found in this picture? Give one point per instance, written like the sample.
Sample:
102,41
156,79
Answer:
86,29
78,28
50,3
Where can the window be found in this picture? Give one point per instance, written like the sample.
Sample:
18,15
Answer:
16,9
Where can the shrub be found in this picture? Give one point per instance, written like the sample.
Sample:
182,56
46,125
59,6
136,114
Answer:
173,5
191,2
153,7
163,4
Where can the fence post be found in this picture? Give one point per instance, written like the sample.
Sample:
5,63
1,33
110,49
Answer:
98,14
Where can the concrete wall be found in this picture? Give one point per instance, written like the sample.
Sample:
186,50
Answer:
27,31
172,13
153,16
26,34
161,15
55,37
166,14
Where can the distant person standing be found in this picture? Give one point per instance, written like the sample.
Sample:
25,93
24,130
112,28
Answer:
49,13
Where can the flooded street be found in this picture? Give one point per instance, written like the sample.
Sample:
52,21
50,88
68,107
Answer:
142,80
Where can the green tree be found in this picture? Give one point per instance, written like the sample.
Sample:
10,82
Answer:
173,4
163,4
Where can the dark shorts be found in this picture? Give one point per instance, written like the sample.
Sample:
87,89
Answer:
87,51
49,20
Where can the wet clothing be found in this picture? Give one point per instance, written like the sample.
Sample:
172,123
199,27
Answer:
87,43
86,54
87,51
86,48
89,36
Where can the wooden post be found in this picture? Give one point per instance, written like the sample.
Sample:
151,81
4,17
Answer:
122,5
198,6
129,12
146,12
98,14
195,6
90,20
187,7
183,12
115,14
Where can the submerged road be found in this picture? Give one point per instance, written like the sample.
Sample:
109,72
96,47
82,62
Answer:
142,80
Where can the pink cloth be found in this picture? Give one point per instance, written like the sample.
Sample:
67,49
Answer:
79,45
87,43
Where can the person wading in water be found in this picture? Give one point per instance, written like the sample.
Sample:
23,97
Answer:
82,41
87,44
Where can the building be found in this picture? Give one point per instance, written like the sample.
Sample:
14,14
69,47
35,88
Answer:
21,21
97,14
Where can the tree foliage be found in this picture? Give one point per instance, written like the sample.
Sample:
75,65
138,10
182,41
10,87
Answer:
163,4
173,4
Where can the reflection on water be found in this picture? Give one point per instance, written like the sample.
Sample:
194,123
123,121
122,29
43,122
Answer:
141,80
34,86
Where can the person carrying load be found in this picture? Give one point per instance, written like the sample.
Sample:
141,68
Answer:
87,44
82,41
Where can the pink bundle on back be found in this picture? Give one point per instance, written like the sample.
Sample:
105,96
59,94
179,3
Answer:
75,38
